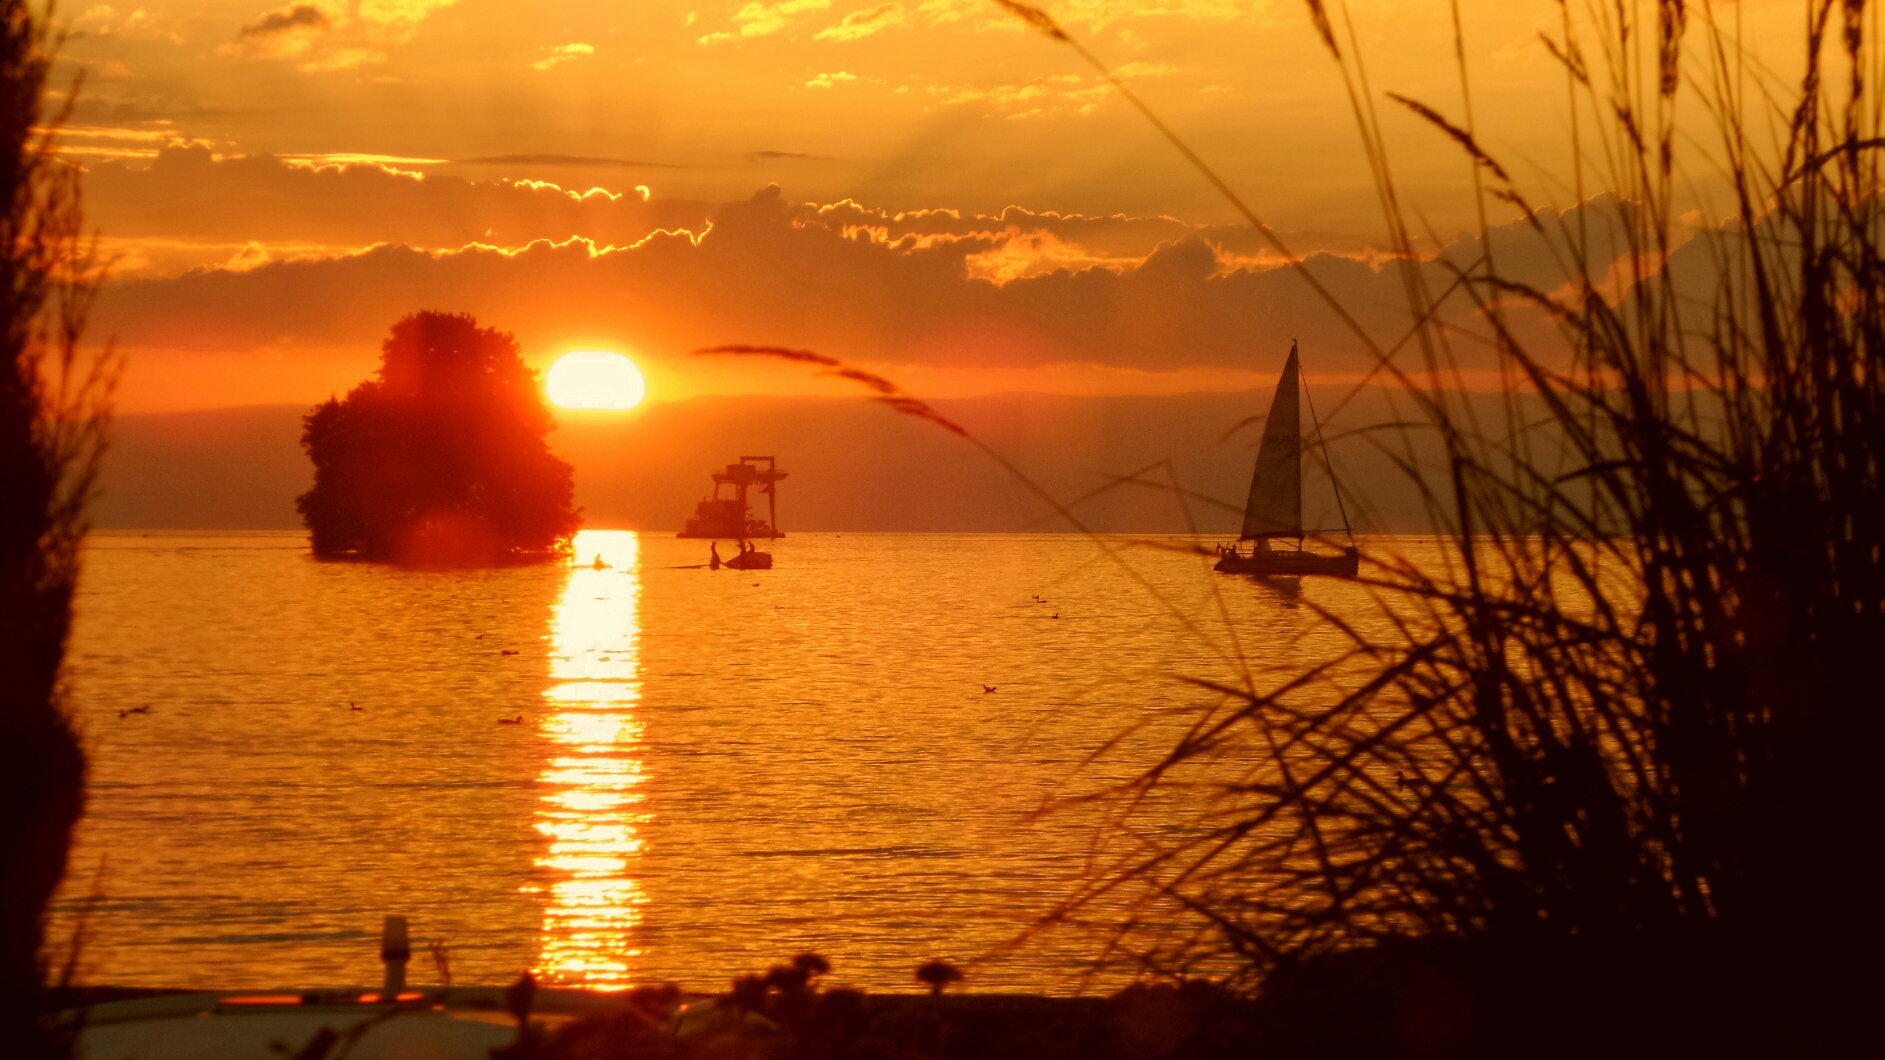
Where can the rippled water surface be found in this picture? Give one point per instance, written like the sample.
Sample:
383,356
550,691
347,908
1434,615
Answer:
707,771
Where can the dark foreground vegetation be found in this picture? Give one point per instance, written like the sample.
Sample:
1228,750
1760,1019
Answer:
441,458
1605,782
784,1014
53,406
1394,1000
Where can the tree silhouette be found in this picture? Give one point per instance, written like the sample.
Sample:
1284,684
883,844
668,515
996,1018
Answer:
937,975
440,458
55,401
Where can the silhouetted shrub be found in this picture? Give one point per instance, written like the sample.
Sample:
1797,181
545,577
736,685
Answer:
937,975
639,1032
441,457
783,1015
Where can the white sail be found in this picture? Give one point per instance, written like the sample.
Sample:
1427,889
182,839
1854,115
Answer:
1275,504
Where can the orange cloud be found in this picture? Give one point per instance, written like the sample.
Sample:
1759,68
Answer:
284,33
863,23
187,196
288,20
330,35
563,54
768,271
762,20
294,206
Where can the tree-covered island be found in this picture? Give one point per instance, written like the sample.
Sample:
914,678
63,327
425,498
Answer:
439,458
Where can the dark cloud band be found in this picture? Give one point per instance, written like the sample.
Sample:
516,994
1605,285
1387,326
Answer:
571,161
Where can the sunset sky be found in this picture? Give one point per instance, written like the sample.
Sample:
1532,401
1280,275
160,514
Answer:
925,186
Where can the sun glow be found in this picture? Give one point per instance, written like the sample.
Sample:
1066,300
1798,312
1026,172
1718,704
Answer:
593,379
590,811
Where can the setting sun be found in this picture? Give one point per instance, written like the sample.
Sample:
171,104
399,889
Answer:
592,379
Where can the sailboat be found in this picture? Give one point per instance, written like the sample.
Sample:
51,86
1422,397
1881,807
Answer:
1274,508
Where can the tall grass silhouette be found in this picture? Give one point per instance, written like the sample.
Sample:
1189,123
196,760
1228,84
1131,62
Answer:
1612,759
1629,717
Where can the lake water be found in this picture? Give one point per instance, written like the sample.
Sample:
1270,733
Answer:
709,770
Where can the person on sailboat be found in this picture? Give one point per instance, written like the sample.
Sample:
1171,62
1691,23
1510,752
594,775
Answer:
714,563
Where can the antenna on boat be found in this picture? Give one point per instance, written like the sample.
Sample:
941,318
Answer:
1326,464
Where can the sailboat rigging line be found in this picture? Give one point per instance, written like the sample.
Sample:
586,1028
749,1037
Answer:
1419,322
1329,466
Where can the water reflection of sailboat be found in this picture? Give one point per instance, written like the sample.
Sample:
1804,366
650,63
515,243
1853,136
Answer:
1274,507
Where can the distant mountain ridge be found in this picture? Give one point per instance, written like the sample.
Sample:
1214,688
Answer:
856,465
215,469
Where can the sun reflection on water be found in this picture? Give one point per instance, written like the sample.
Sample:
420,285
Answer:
590,803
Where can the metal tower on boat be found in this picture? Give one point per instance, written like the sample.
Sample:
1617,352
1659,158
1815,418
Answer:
726,514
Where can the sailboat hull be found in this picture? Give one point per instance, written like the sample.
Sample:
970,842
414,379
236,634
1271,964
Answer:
1278,564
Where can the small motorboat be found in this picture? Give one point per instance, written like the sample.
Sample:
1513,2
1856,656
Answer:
752,559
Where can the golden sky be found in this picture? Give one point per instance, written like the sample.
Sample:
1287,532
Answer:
926,186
